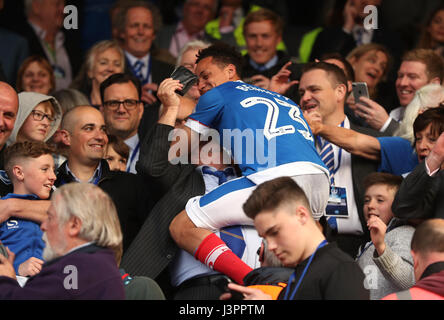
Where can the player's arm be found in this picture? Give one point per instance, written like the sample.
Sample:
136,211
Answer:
34,210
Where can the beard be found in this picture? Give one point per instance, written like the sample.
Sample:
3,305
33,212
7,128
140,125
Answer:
50,252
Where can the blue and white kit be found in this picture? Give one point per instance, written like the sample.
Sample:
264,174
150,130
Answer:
267,137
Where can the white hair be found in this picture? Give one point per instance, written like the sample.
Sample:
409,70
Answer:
96,211
192,45
429,96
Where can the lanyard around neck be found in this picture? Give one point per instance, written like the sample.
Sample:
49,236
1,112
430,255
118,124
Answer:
293,275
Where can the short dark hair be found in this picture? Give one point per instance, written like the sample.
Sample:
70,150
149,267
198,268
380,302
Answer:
223,55
429,237
120,78
384,178
335,74
349,72
24,149
433,116
271,194
119,146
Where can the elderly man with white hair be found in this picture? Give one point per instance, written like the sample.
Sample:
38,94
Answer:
83,245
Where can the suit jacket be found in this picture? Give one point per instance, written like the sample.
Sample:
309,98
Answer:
159,71
72,48
361,167
153,248
14,52
420,196
129,192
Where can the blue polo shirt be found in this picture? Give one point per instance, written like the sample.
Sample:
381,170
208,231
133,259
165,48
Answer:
23,237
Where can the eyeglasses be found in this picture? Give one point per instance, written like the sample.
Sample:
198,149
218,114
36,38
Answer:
129,104
39,116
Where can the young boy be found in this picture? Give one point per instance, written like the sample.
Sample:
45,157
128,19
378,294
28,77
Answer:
386,259
30,167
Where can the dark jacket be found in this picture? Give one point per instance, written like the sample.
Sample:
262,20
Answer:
420,196
153,248
332,275
129,192
93,275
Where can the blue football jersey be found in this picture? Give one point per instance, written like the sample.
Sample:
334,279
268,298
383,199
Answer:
262,129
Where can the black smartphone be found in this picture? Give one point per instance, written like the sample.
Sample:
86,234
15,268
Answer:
186,77
222,284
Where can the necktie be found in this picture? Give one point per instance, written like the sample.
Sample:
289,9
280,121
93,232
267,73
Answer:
359,36
231,235
138,69
328,157
222,175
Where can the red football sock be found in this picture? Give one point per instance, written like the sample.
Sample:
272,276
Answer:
214,253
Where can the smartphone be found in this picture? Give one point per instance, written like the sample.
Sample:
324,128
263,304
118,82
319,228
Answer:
359,90
186,77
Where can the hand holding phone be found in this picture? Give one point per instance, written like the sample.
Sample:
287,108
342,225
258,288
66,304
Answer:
360,90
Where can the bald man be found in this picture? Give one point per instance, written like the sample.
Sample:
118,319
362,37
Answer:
8,113
83,130
427,249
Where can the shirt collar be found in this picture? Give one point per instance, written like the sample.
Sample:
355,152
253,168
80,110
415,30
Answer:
271,63
41,33
132,59
97,173
132,142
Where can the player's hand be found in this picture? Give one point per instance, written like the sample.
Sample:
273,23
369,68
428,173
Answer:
148,93
373,113
248,293
280,82
30,267
378,230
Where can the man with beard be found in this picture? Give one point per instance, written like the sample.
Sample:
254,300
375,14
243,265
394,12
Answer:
83,244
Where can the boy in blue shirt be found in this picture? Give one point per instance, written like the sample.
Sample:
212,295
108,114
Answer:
30,167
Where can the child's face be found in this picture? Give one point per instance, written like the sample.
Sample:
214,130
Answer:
378,201
115,161
34,129
38,176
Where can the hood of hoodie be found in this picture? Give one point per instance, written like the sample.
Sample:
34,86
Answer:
435,281
27,102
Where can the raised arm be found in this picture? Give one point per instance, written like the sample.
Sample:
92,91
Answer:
34,210
354,142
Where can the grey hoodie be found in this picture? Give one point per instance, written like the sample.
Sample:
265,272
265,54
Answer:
27,102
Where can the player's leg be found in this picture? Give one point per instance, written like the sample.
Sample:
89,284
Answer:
219,208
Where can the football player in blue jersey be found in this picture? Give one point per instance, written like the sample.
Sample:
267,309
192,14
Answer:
267,137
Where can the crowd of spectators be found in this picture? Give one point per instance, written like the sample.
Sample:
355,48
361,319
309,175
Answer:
98,105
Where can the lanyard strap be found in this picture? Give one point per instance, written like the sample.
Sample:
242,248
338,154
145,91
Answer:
293,275
133,156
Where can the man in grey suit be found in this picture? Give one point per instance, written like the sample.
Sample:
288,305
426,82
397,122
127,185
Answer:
323,90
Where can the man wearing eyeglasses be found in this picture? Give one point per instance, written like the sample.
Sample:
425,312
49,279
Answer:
123,110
